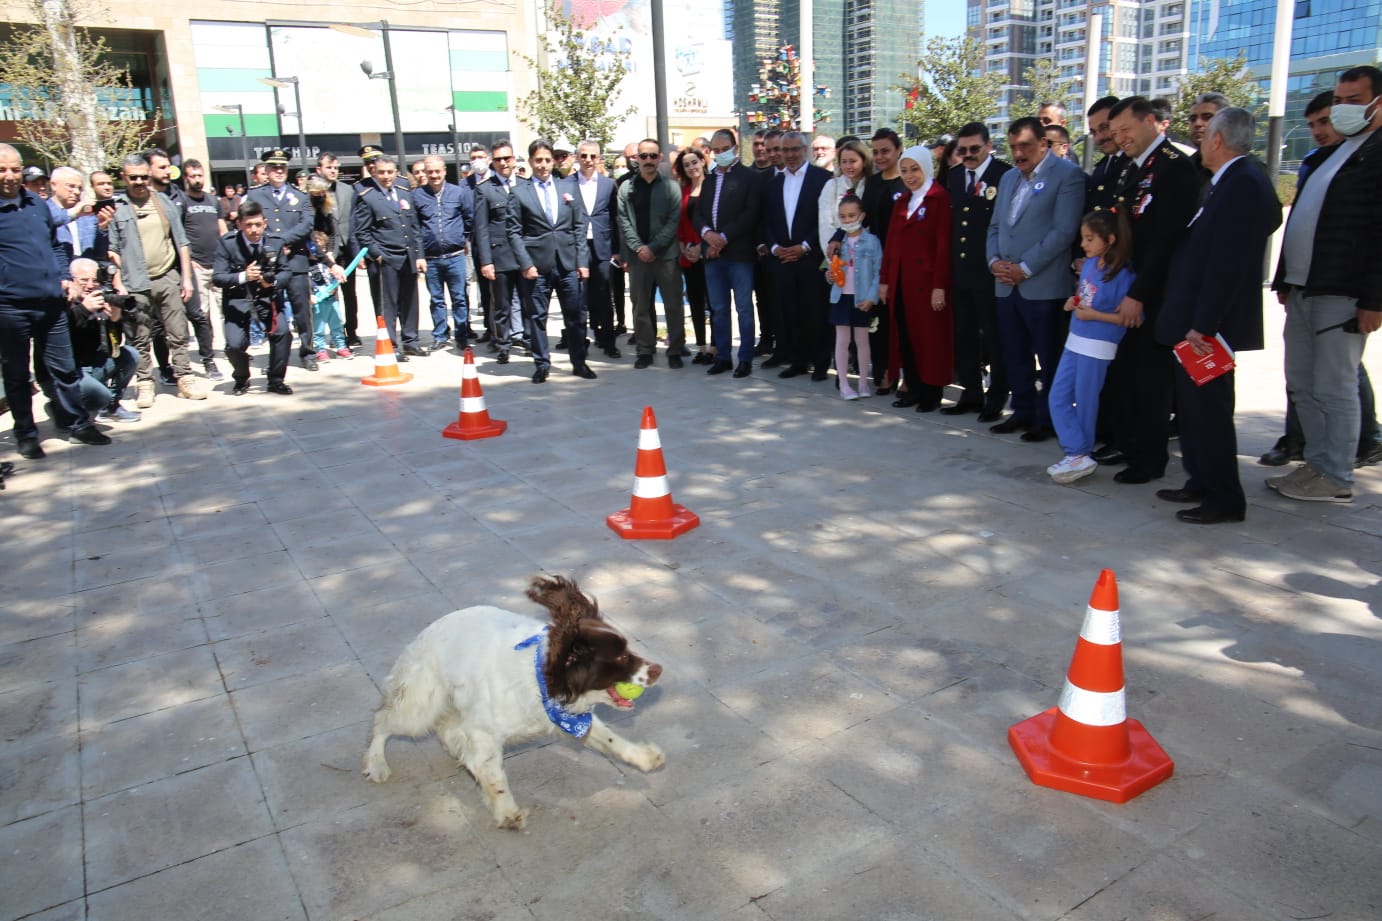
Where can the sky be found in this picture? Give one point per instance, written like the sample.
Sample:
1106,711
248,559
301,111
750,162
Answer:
945,18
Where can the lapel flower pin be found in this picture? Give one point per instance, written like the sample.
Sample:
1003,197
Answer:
1038,187
292,199
991,193
403,203
566,197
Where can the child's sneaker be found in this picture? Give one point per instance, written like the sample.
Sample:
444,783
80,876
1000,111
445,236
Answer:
344,352
847,392
865,391
1073,467
323,355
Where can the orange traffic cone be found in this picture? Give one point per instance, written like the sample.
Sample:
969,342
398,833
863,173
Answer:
651,515
386,370
1087,744
473,421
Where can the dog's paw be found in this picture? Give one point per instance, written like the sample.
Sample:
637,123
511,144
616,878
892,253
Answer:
376,770
648,757
513,821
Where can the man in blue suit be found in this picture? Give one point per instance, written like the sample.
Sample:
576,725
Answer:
547,232
790,225
601,241
288,211
1215,288
1036,220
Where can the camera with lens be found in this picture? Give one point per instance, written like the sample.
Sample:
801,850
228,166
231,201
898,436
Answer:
268,266
105,278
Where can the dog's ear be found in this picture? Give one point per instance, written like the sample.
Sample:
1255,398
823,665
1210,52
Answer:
564,601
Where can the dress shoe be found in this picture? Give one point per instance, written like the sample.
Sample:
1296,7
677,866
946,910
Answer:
416,350
764,347
1183,496
990,415
1201,515
881,391
674,361
792,371
540,376
30,448
584,372
441,345
818,375
1109,456
1008,426
400,356
90,435
960,409
702,358
744,369
309,362
928,406
612,351
904,400
773,362
503,357
240,389
280,388
1135,476
1040,433
353,342
643,361
1280,456
719,367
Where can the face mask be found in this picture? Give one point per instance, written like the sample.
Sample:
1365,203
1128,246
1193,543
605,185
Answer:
479,165
1349,119
852,226
723,160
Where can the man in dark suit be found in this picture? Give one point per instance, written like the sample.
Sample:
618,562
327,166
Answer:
727,214
601,233
288,211
329,168
479,172
247,269
973,187
496,261
1215,288
385,220
547,233
791,233
1161,192
1101,190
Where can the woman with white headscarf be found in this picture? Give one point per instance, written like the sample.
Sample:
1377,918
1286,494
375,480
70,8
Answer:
914,284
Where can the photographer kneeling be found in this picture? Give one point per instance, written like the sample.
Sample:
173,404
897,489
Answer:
107,364
247,269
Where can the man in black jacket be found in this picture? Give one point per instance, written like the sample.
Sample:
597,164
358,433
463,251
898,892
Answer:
385,220
495,260
250,269
106,363
1329,279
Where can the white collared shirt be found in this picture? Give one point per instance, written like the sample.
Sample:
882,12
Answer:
1025,187
980,170
1142,157
791,193
589,188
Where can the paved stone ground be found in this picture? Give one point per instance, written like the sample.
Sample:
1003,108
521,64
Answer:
196,622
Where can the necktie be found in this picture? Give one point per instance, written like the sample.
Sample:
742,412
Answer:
550,200
393,197
969,189
278,194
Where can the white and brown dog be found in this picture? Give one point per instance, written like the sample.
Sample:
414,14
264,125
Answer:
482,677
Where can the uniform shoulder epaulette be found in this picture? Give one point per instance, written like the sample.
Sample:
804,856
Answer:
365,191
1171,152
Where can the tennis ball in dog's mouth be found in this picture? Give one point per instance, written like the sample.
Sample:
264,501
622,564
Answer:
629,691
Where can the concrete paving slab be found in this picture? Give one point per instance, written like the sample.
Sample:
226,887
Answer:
132,752
148,684
38,778
43,863
38,660
304,705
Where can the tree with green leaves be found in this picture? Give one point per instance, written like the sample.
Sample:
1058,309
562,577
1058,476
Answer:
1043,83
577,85
950,88
72,105
1229,76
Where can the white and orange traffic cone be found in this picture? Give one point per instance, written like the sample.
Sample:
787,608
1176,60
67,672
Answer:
651,515
1087,744
386,371
473,421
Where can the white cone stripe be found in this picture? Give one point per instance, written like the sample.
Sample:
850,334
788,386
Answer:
468,372
650,487
1093,708
385,359
648,440
472,404
1101,627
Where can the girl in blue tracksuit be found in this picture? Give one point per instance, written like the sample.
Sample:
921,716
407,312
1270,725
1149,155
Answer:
853,295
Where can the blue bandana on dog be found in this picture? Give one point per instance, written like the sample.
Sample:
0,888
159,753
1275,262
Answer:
574,724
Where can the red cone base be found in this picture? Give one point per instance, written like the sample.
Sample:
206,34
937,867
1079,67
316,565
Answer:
469,431
677,521
1146,766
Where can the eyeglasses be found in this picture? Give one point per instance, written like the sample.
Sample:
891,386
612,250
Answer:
589,156
649,156
136,178
971,149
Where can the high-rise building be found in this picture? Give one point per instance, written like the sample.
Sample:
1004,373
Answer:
865,50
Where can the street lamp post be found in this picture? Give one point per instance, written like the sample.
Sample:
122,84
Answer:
455,142
284,83
366,30
244,139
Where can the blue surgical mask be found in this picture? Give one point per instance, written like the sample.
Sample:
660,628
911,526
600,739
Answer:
726,159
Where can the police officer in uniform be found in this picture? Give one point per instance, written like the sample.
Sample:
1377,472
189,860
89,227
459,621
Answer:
385,220
1101,191
973,187
495,258
249,268
1160,191
288,211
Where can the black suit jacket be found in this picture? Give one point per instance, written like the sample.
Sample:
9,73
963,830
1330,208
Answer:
1101,188
393,235
290,219
969,223
492,245
1161,198
232,258
1216,274
535,240
602,218
805,224
741,203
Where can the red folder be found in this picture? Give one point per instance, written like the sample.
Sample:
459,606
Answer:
1204,368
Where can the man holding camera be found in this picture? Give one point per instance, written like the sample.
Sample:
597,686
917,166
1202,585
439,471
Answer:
107,365
247,270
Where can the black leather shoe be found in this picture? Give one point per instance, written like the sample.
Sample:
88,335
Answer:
309,362
415,350
928,406
744,370
719,367
793,371
1183,496
1008,426
584,372
89,436
240,389
30,448
1109,456
503,357
959,409
904,400
280,388
1135,476
991,414
773,362
702,358
764,347
674,361
818,375
880,391
1280,456
643,361
540,376
1201,515
1040,433
612,351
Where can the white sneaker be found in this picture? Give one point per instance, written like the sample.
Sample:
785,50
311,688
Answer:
847,392
1073,467
865,391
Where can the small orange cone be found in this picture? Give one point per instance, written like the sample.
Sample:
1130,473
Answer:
386,371
473,421
651,514
1087,744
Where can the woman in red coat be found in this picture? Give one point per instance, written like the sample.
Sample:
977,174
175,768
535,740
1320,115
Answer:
914,284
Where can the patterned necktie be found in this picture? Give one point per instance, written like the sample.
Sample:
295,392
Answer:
549,199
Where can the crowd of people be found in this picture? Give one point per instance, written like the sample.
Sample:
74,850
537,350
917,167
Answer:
1065,299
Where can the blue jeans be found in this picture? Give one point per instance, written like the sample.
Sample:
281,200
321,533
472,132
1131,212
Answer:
448,272
723,277
1322,375
103,384
329,318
